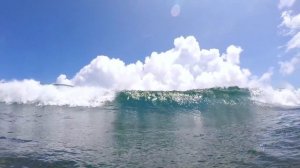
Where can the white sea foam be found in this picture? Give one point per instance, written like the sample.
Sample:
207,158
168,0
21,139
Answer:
32,92
278,97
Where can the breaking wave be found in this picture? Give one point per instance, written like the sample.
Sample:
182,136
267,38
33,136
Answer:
187,99
218,97
32,92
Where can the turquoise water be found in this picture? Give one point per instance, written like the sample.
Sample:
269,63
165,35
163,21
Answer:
199,128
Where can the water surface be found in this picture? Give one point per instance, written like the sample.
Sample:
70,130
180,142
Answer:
150,135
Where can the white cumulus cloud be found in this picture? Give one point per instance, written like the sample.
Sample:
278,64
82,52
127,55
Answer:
294,42
290,22
285,3
288,67
290,25
183,67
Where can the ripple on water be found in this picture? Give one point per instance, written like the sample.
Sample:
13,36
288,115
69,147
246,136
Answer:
17,140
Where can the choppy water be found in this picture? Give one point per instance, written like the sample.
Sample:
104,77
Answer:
222,128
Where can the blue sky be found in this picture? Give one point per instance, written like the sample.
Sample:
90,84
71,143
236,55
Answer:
42,39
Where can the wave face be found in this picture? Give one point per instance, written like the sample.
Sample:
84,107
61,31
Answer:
195,99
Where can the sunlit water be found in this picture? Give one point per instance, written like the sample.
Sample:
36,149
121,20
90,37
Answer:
129,136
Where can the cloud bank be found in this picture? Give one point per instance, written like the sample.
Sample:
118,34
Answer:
186,66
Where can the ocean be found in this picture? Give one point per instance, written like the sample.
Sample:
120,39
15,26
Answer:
218,127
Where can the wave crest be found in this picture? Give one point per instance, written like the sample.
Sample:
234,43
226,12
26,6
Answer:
187,99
